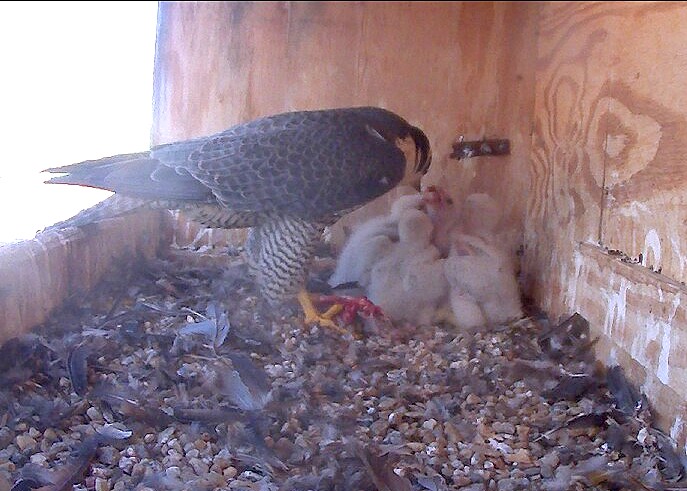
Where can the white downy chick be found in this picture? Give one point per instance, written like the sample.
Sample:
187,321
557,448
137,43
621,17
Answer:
481,277
466,311
408,284
445,216
369,242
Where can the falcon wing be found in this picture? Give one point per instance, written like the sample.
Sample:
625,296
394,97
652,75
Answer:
306,164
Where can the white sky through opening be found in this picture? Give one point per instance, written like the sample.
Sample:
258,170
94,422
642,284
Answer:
76,84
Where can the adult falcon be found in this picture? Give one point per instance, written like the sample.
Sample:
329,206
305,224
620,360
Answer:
286,176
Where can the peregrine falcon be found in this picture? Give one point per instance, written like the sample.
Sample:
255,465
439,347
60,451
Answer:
286,176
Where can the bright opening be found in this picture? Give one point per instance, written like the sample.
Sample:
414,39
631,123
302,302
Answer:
77,84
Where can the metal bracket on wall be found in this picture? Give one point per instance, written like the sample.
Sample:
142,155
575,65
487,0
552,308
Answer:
465,150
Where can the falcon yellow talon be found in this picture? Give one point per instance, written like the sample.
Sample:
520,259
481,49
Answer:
313,317
332,311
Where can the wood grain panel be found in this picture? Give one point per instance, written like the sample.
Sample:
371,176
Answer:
646,177
450,67
567,159
610,127
607,173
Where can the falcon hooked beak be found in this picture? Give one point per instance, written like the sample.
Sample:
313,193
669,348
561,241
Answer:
416,149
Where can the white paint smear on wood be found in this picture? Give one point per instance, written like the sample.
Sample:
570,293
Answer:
617,306
652,242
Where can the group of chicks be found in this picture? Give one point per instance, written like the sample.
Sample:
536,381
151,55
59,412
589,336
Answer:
430,260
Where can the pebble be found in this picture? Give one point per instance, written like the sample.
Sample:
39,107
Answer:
548,464
39,459
5,483
511,484
504,427
221,461
6,436
25,442
164,436
521,456
429,424
461,480
50,435
474,487
108,455
94,414
473,399
101,484
416,446
126,464
199,467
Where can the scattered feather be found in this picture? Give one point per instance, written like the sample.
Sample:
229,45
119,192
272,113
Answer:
77,363
671,465
213,330
255,378
32,476
232,386
570,388
113,432
64,477
381,471
626,398
130,407
207,416
27,484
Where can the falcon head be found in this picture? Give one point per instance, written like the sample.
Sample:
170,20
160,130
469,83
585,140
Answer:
415,146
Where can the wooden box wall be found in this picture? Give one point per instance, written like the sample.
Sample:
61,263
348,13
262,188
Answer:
608,173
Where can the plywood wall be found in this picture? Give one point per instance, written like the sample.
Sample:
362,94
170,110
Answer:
608,173
453,68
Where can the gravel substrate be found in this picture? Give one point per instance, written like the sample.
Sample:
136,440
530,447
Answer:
175,378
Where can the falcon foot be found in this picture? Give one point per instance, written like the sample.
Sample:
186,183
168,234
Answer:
324,319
